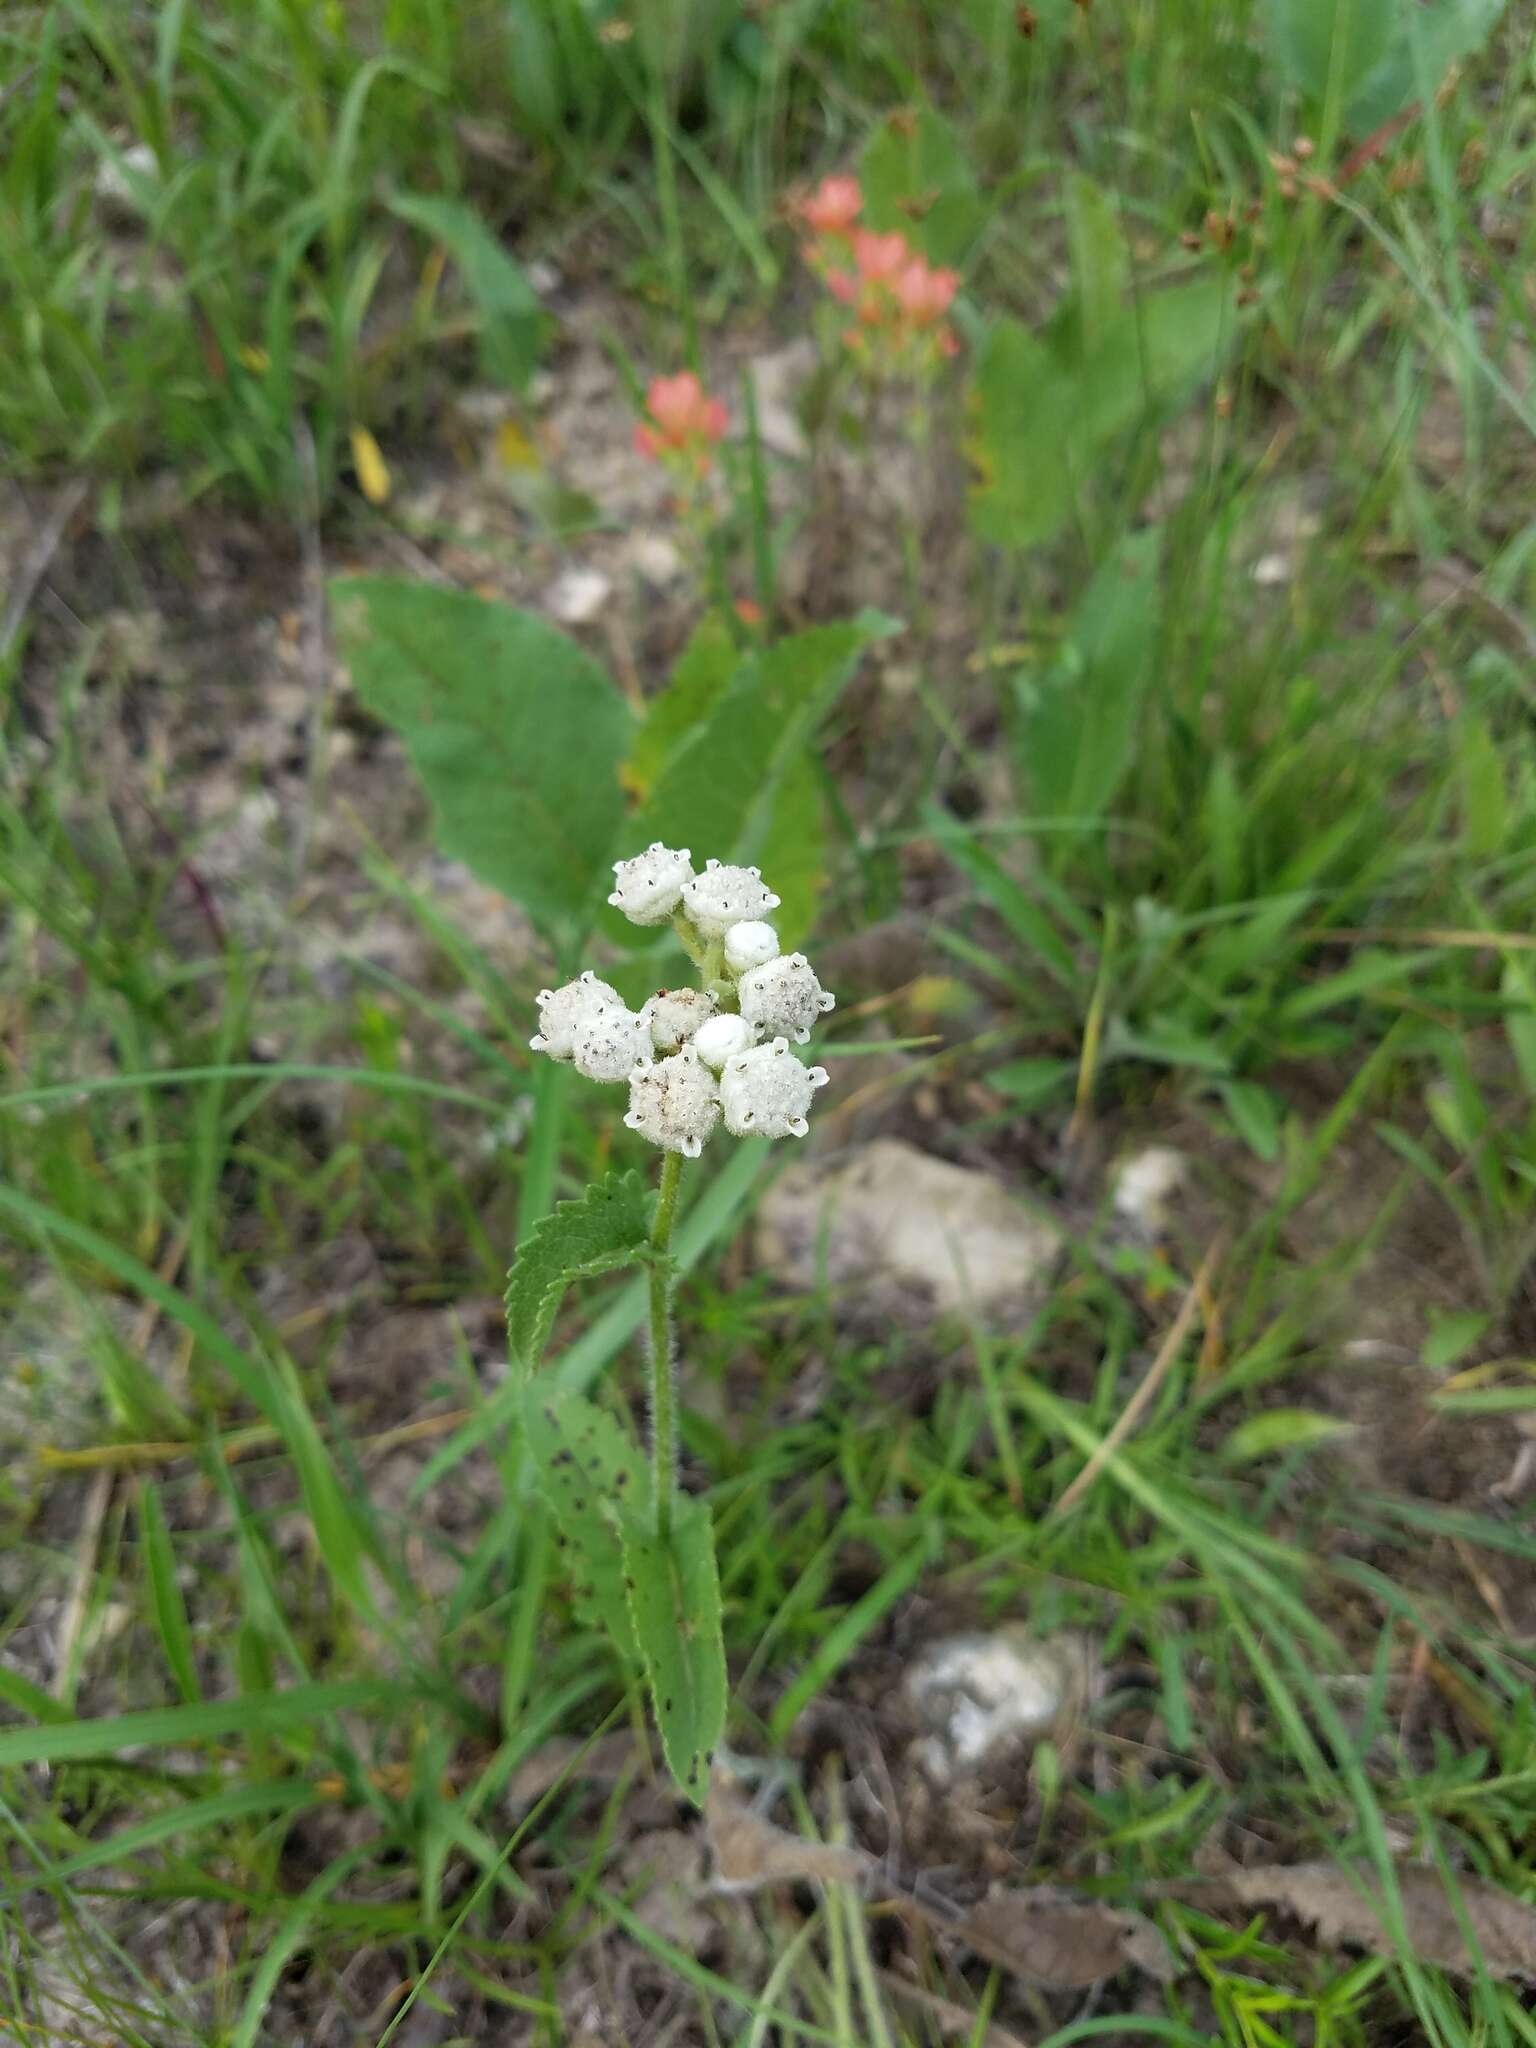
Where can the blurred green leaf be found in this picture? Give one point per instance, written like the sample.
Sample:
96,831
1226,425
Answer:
1047,403
1101,263
513,323
165,1599
516,733
740,788
1372,58
1485,808
674,1598
1077,726
675,715
1033,1082
917,177
1280,1429
1452,1333
1256,1113
606,1227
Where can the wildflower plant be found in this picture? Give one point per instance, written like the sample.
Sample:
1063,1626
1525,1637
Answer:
715,1056
897,298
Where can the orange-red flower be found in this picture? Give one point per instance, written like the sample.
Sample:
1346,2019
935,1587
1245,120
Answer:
924,294
833,207
683,423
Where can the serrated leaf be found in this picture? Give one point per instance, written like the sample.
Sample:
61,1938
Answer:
513,322
674,1604
606,1227
516,733
590,1471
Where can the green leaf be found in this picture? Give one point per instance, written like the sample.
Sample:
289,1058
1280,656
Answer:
516,734
1047,404
588,1470
1256,1113
719,793
1077,729
674,1601
1033,1082
513,322
1328,48
916,176
1101,263
703,674
793,853
1429,42
165,1593
1452,1333
606,1227
1280,1429
271,1385
1484,804
290,1711
1372,58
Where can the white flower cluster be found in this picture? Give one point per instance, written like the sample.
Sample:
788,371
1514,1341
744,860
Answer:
695,1056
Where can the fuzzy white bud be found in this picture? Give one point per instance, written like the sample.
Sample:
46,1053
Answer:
650,887
562,1011
722,1038
784,998
723,896
675,1014
766,1092
611,1042
750,944
675,1103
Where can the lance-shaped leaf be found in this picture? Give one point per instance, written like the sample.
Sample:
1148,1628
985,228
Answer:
674,1604
590,1471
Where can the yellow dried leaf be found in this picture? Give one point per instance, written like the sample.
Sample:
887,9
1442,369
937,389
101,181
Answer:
515,447
372,469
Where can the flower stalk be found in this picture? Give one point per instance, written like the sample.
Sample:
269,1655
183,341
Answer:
664,1348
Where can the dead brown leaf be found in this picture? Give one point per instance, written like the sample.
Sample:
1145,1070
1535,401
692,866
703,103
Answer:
1059,1942
1346,1914
1041,1934
749,1851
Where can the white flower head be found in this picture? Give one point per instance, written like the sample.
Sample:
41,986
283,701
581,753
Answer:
722,1038
722,896
784,998
749,944
675,1014
562,1011
650,887
675,1103
766,1092
611,1042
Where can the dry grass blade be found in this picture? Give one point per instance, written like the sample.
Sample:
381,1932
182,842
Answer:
1139,1402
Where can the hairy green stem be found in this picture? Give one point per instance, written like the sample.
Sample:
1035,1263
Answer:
663,1349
